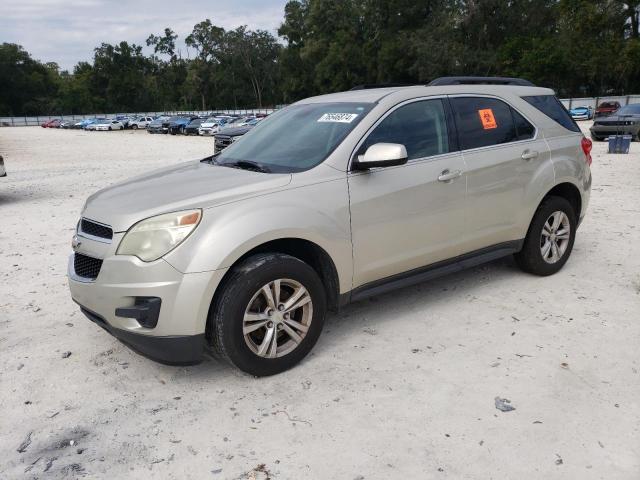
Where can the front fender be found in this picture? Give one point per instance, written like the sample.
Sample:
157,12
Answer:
318,213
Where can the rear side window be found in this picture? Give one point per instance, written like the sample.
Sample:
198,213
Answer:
552,108
420,126
484,121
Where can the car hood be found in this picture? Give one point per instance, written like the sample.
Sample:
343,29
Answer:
193,184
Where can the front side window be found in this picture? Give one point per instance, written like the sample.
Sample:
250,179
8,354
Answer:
296,138
484,121
420,126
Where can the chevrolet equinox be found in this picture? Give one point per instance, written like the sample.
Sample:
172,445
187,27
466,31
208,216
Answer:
330,200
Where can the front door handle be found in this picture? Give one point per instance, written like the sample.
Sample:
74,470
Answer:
448,175
529,154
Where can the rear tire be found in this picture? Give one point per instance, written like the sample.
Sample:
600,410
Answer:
243,303
548,245
134,127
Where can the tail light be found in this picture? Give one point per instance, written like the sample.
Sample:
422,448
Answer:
586,145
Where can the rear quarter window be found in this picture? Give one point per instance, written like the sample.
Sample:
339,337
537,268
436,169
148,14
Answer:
552,108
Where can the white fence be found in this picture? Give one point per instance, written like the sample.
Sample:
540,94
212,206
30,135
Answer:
39,119
569,103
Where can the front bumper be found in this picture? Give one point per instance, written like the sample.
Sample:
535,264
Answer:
178,335
607,130
170,350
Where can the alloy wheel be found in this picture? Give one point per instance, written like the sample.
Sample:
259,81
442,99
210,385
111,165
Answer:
554,240
277,318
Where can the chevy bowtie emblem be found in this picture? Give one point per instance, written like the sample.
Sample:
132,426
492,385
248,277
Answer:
75,243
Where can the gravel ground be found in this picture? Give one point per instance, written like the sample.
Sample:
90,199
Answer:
402,386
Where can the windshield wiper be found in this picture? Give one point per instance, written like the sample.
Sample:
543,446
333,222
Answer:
246,165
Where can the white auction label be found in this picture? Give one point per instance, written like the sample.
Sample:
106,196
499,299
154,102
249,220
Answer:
338,117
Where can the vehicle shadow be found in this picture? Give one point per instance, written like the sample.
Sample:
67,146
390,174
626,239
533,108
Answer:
349,321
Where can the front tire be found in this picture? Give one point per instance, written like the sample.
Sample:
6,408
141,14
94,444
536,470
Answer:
269,314
550,238
134,127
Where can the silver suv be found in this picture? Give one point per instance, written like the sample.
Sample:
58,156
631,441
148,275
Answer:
330,200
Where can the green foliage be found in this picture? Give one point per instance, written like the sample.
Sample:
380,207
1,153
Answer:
577,47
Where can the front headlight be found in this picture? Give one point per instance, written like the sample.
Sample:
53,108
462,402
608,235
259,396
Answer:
154,237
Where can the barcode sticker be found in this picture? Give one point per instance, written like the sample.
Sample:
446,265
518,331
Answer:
338,117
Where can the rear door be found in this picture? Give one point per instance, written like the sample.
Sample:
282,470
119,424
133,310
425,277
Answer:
412,215
502,151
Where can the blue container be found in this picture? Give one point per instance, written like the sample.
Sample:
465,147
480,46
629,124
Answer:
619,143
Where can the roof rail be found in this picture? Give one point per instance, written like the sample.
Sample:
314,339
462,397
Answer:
368,86
480,81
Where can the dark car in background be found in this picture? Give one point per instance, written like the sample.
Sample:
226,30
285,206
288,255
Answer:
157,125
177,125
607,108
625,121
227,136
193,126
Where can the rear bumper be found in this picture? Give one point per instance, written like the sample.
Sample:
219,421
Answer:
170,350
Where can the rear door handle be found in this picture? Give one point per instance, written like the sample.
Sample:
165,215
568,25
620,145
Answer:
448,175
528,155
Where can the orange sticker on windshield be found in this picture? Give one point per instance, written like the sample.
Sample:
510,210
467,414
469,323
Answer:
487,119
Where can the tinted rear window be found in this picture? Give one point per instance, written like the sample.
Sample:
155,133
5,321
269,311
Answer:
552,108
483,121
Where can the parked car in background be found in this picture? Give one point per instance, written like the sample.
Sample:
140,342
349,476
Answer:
179,124
227,136
67,124
140,122
607,108
581,113
3,171
157,124
94,122
625,121
193,126
124,119
213,124
209,126
334,199
108,125
54,123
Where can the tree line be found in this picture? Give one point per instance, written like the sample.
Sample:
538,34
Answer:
577,47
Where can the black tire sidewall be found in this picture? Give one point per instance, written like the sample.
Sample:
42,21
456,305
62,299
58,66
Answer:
252,275
530,256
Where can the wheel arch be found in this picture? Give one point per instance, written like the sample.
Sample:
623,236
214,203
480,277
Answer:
569,192
306,250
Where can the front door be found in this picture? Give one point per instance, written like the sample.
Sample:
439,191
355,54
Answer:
408,216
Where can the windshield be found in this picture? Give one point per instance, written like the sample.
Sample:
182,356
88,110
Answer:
629,110
296,138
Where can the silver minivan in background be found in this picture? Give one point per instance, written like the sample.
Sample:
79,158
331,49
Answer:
330,200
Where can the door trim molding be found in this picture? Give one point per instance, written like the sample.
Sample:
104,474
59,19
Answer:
434,270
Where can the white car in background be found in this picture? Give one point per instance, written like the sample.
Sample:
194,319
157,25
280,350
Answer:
140,122
211,125
108,125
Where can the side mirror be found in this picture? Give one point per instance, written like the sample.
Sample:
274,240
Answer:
381,155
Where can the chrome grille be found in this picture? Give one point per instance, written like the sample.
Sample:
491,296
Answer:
86,267
95,229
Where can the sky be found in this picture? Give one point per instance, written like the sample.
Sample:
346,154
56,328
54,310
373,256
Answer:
67,31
